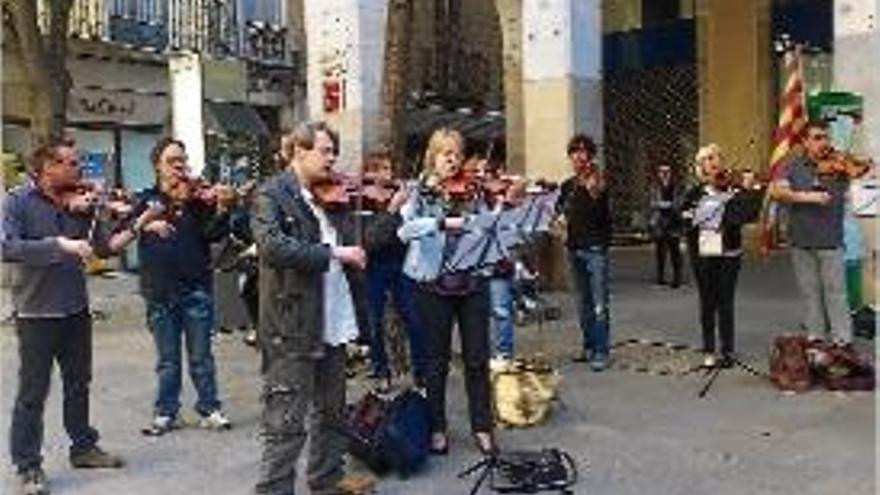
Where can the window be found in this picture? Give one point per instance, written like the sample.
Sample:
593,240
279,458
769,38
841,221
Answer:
659,11
270,11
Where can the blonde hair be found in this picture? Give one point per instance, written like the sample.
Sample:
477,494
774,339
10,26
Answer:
702,154
439,138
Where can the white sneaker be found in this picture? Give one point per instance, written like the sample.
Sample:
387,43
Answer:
160,426
710,361
215,421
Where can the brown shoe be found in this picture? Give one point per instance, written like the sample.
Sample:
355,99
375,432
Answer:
350,485
95,458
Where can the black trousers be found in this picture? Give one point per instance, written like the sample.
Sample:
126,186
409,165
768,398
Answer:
668,246
41,341
716,282
471,312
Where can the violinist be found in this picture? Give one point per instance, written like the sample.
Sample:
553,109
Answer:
45,239
584,202
715,211
310,291
433,222
176,283
815,194
385,273
501,191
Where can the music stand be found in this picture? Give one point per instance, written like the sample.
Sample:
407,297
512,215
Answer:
728,361
491,236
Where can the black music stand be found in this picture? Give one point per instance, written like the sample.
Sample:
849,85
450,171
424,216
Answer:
492,236
729,361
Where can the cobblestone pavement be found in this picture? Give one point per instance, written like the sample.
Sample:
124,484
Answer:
631,433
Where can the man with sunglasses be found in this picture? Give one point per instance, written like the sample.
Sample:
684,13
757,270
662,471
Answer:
816,208
47,234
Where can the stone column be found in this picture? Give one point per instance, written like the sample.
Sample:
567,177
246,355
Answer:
562,88
187,96
511,21
733,60
856,36
856,41
346,40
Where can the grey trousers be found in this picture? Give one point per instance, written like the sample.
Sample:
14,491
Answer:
820,276
291,385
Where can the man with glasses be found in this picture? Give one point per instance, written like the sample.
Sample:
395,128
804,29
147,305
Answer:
310,276
816,208
175,280
47,234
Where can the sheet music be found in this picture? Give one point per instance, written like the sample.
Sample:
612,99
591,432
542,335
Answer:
491,237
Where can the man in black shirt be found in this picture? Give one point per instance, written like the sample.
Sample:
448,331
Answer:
584,203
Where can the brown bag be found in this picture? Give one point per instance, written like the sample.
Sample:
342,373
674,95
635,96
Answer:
789,368
840,367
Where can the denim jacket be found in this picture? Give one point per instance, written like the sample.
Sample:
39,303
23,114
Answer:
423,215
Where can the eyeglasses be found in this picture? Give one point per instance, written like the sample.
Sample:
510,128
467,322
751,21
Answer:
70,162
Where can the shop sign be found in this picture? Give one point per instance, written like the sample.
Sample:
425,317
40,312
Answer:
93,105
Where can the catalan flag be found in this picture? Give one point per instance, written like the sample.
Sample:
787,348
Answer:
786,137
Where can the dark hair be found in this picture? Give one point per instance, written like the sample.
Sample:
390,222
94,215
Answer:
48,150
303,135
375,156
815,124
581,141
160,147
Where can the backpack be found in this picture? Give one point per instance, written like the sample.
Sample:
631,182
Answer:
390,433
789,368
840,367
525,471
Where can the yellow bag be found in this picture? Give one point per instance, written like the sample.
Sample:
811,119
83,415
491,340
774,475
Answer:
523,391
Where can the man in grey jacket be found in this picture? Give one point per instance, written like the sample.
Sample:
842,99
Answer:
49,229
310,278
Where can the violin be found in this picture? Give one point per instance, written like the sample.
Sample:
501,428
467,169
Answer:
333,192
591,178
377,191
839,164
87,198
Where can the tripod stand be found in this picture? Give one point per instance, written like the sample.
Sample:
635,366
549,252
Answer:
728,361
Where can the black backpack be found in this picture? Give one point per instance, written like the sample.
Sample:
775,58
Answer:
390,433
526,471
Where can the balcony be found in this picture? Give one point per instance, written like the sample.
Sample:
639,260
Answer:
220,28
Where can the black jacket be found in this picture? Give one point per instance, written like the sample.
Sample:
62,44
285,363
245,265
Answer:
744,207
292,264
588,219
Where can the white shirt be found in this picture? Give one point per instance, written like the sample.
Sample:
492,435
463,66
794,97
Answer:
340,321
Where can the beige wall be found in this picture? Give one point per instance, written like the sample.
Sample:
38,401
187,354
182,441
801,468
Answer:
733,58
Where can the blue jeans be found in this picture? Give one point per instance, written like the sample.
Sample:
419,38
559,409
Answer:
501,294
189,314
590,268
385,275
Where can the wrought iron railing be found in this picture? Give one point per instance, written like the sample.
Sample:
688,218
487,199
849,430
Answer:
214,27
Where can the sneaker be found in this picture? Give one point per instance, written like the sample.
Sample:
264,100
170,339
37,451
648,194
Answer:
598,364
33,482
710,361
160,426
349,485
250,338
215,421
581,357
95,458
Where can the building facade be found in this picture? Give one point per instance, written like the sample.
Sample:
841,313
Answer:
121,95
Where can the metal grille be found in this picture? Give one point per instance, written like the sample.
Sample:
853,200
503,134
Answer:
650,118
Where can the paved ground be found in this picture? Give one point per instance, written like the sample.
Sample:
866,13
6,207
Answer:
630,433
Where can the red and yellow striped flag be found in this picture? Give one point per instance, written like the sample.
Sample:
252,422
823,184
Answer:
792,112
788,133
